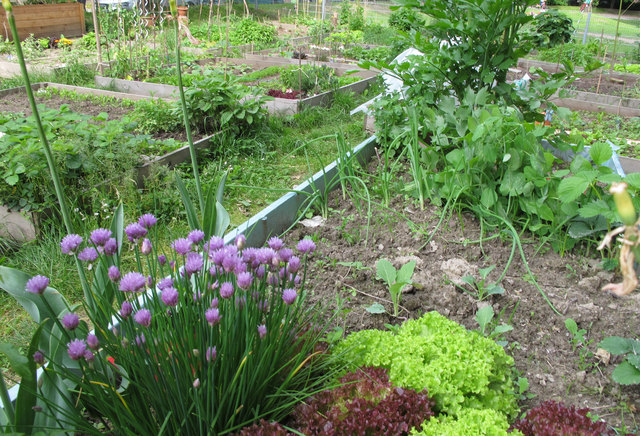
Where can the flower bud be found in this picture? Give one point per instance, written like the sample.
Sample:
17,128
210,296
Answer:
7,5
196,383
623,203
146,247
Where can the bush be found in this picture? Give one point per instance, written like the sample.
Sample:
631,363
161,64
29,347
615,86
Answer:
459,368
470,422
552,28
249,31
551,418
405,20
308,78
378,34
578,54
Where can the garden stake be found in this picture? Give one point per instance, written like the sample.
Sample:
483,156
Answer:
600,76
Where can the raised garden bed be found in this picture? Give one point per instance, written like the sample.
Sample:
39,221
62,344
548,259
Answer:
277,106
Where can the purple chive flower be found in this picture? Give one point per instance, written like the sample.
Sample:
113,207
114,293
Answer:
110,247
165,283
262,331
143,317
70,243
226,290
38,357
281,273
89,254
196,236
147,221
170,296
285,254
244,280
216,243
125,309
289,296
197,296
37,284
70,321
294,264
211,354
265,255
172,264
114,273
76,349
146,247
135,231
100,236
230,262
162,259
194,263
218,256
241,240
182,246
196,383
149,282
89,356
275,243
213,316
260,272
132,282
306,246
92,341
272,279
249,254
263,305
215,302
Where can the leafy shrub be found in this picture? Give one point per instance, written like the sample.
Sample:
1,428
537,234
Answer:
308,78
215,102
406,19
551,28
551,418
249,31
364,404
459,368
477,422
378,34
374,54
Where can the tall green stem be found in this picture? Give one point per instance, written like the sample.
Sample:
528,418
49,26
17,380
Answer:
43,138
192,150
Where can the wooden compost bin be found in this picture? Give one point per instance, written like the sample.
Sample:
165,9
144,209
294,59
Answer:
50,20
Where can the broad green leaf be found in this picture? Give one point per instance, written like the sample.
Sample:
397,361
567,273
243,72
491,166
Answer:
12,179
484,272
634,360
616,345
571,188
468,280
502,328
633,179
626,374
594,208
571,325
494,289
580,163
192,216
406,272
386,271
484,315
488,197
396,289
27,397
209,215
375,308
18,362
222,220
600,152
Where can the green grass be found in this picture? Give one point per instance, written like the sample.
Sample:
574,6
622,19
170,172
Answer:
629,24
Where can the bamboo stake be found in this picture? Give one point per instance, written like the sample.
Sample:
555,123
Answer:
600,76
96,29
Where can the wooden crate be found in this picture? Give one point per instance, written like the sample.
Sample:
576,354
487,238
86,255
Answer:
49,20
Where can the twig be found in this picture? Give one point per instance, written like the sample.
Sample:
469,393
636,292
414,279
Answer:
377,298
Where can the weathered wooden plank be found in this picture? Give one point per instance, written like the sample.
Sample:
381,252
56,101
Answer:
49,20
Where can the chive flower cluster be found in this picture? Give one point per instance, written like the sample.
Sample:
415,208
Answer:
187,317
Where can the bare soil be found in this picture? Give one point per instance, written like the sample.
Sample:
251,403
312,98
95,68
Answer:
629,87
539,342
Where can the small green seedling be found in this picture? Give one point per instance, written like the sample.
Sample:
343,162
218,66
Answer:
484,318
395,280
578,340
628,372
481,288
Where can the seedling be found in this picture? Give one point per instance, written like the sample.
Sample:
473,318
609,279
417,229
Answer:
578,340
481,288
396,280
628,372
484,318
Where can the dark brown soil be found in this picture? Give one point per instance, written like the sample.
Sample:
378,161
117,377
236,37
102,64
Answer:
539,342
629,87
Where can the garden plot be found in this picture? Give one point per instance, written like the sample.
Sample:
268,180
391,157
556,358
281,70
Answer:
293,83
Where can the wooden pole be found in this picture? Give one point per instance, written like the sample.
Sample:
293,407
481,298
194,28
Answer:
96,29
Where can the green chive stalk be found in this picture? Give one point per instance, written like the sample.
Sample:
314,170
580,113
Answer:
192,150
